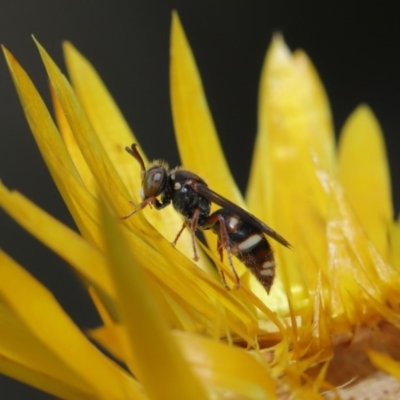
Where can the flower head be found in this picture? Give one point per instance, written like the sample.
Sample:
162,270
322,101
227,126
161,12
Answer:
169,320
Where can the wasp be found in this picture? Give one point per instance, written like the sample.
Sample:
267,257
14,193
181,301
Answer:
239,232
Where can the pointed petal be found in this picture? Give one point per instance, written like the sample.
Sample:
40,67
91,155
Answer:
72,146
223,369
86,260
97,159
79,202
111,338
36,308
106,119
293,115
36,112
364,174
231,372
20,351
294,126
356,274
154,356
194,128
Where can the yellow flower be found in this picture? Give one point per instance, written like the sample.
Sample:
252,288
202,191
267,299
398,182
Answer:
170,321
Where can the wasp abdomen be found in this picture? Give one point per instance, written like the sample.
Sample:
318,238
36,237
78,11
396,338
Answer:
248,244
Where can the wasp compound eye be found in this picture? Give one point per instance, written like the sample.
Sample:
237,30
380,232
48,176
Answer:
154,182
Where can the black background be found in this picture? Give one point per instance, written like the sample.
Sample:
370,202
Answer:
355,47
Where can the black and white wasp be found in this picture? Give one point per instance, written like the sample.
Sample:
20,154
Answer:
239,232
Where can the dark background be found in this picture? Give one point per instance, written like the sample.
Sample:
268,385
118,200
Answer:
355,47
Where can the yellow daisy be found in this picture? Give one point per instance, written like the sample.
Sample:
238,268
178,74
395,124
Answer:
175,330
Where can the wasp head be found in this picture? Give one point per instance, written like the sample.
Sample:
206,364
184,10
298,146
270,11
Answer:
154,179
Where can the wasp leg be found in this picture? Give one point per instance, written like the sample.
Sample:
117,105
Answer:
220,250
148,202
179,233
223,242
139,207
223,232
193,227
221,272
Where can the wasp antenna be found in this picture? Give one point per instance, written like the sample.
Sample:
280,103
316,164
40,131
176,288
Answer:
133,151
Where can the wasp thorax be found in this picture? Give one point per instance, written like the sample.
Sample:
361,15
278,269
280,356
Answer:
153,182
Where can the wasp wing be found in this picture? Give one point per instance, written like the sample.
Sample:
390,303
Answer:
216,198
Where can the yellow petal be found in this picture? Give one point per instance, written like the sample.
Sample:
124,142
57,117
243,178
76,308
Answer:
20,351
294,126
233,373
72,146
154,356
364,174
384,362
111,338
86,260
80,203
97,159
293,110
356,274
198,143
36,308
106,119
224,370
